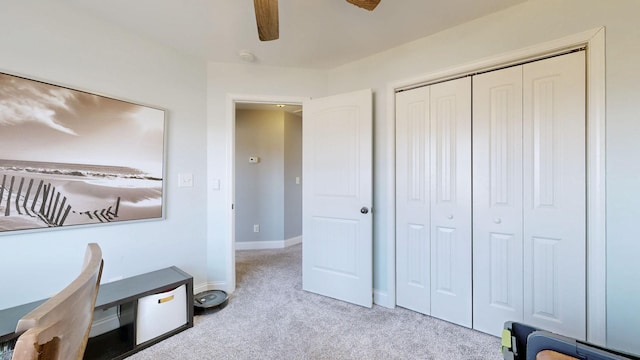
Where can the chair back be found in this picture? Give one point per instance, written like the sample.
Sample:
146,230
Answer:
59,328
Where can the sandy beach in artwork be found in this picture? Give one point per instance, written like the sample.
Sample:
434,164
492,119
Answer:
75,196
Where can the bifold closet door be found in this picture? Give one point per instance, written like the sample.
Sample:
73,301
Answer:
433,200
413,223
529,191
451,201
554,176
497,199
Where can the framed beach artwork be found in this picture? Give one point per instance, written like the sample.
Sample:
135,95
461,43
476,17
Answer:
69,157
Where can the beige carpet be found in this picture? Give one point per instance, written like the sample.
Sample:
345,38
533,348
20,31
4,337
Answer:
271,317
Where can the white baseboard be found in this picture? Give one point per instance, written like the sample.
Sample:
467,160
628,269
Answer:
383,299
263,245
212,285
201,287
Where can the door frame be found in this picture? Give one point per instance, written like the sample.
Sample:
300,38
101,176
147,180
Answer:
594,42
230,172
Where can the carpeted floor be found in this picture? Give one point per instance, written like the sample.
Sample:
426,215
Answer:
270,317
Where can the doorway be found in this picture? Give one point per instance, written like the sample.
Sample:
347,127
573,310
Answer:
352,111
236,104
268,169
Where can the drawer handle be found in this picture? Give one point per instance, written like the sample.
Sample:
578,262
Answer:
164,300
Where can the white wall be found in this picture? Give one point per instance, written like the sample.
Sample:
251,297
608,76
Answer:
249,82
52,42
528,24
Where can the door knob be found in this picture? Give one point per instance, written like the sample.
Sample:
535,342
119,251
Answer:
450,217
497,220
364,210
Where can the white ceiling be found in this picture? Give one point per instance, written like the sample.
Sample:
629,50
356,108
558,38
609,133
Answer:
313,33
294,109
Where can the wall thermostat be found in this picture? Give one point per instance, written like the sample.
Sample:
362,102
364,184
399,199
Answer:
254,159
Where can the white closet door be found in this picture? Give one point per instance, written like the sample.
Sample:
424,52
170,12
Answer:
497,199
554,194
451,201
413,246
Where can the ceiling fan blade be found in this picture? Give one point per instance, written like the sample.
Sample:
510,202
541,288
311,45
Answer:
267,19
365,4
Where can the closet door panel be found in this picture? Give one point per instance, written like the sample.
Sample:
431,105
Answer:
554,194
413,245
451,201
497,199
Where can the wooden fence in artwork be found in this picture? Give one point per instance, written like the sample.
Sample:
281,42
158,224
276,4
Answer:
47,204
40,199
104,215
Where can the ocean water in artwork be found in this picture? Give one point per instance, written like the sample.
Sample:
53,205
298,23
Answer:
45,194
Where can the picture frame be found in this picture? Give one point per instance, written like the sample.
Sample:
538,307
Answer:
70,157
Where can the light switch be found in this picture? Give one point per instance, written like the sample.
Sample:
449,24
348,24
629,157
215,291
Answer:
297,180
216,184
185,180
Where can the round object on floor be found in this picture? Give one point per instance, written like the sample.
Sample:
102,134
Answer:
210,300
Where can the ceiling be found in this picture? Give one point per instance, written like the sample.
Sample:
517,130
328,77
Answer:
318,34
294,109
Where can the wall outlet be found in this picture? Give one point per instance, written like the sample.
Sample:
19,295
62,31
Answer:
256,228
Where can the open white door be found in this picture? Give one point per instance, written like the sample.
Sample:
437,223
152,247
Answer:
337,197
